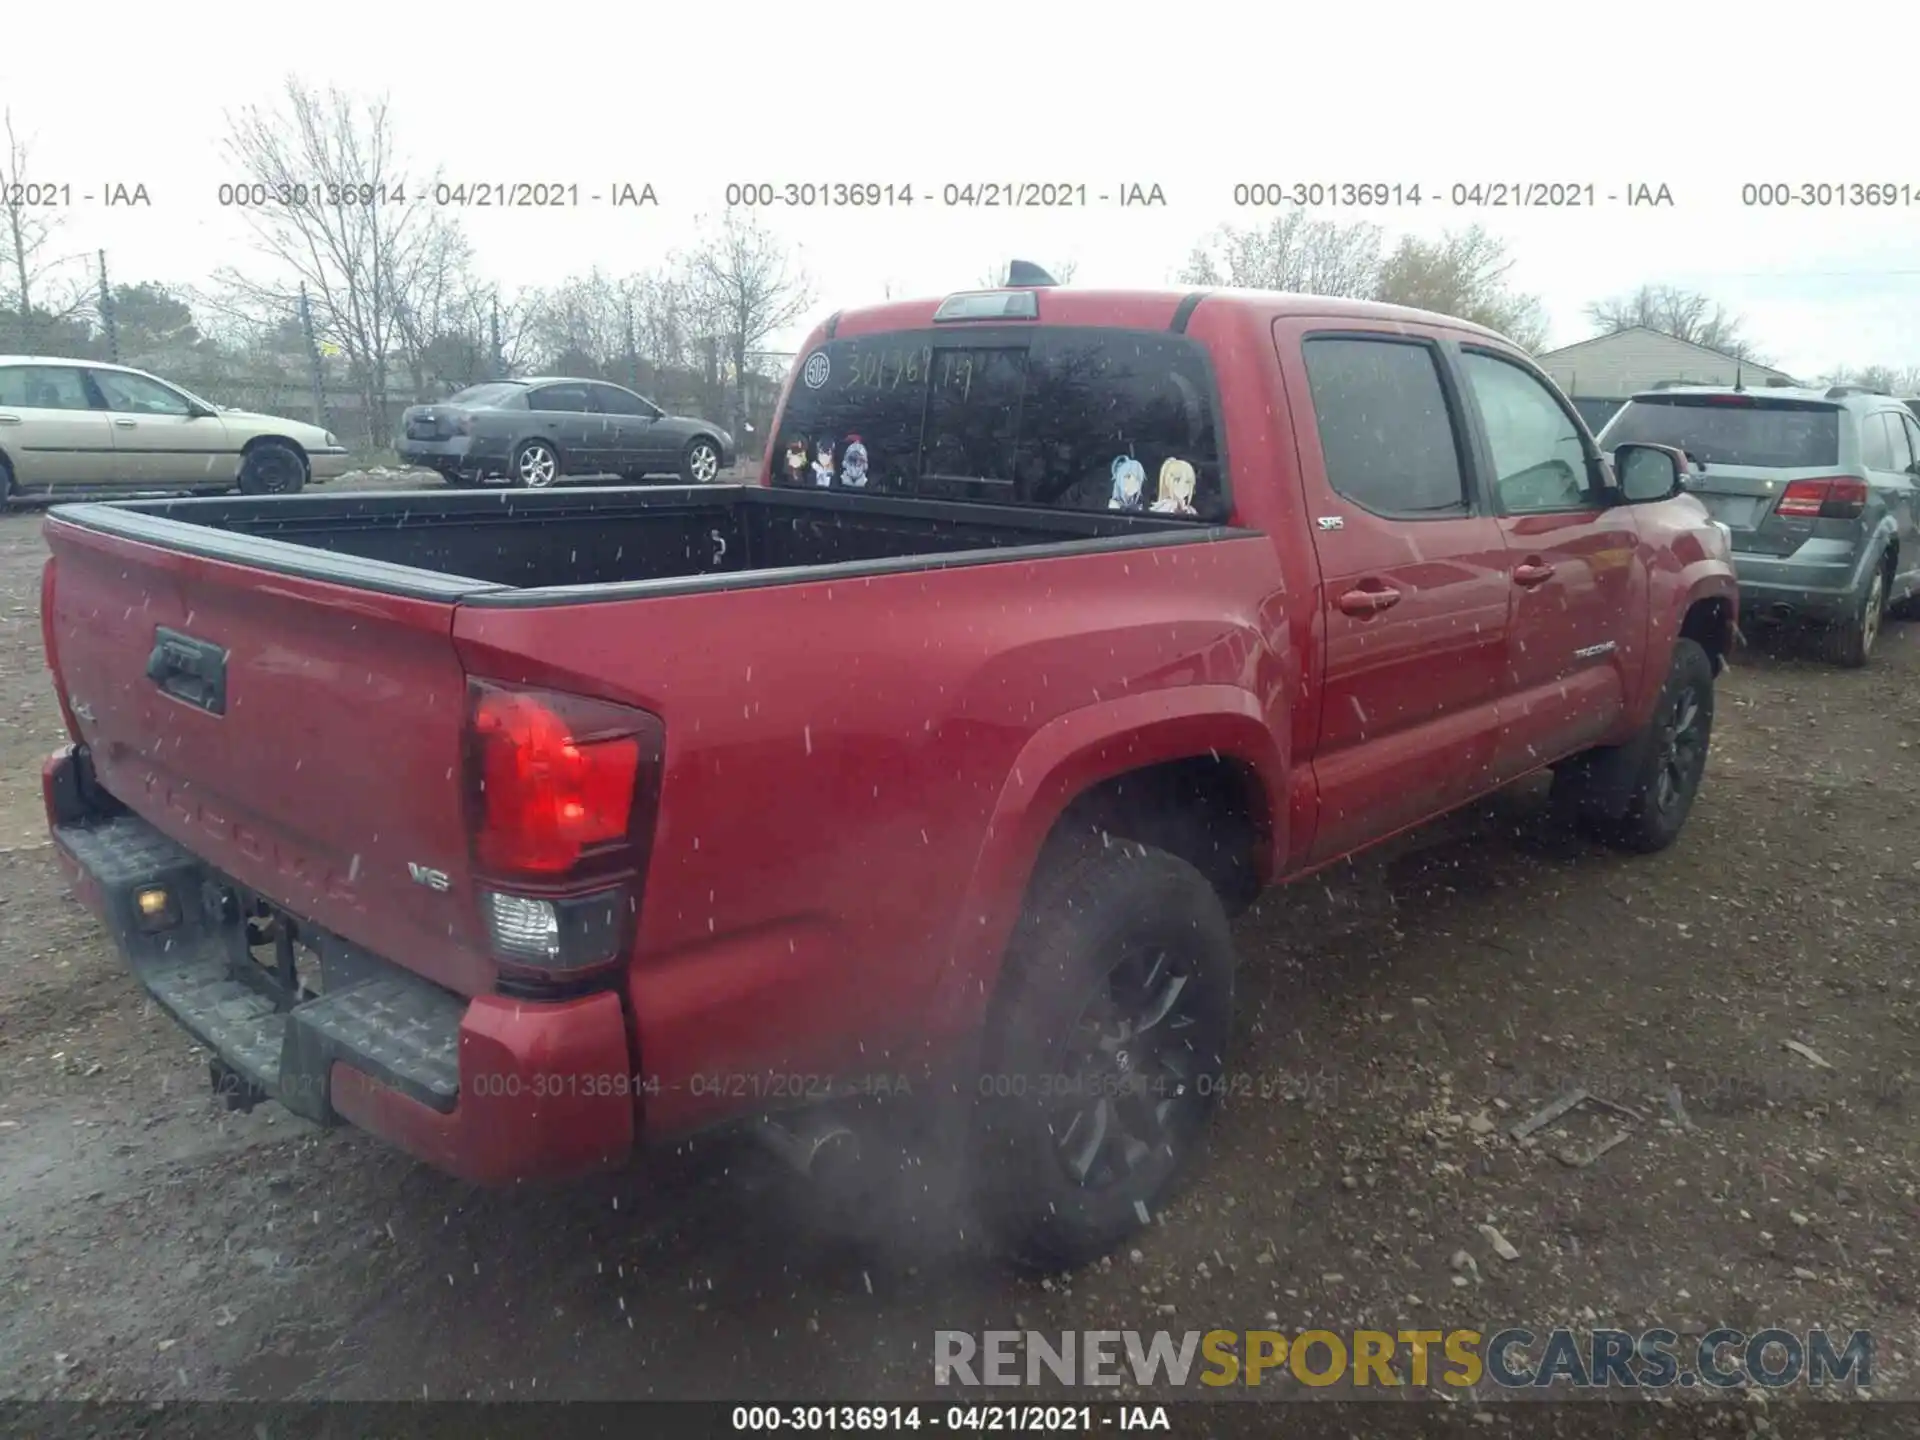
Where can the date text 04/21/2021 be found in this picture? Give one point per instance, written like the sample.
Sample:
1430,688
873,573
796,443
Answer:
955,1419
1377,194
554,194
1064,194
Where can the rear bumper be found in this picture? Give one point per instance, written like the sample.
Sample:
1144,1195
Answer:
462,453
323,465
490,1089
1820,581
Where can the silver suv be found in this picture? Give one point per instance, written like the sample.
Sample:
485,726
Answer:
1819,488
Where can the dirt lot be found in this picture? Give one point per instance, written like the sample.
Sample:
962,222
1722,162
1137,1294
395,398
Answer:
152,1246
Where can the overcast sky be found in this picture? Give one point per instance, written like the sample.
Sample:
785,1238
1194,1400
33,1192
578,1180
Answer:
690,98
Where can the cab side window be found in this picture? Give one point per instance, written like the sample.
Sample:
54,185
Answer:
1540,462
1386,433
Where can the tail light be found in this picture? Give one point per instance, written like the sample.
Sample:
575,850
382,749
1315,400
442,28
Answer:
562,795
1839,498
52,651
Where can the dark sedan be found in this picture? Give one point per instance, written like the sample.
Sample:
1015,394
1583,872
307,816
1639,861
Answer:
534,432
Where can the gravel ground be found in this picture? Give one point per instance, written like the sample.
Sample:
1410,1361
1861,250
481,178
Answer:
1397,1017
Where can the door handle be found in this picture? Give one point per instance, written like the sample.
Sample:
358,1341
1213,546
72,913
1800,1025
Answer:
9,419
1532,573
1368,602
124,424
188,669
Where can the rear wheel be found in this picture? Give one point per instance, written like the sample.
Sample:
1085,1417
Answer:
700,461
1105,1054
6,482
536,465
1851,642
273,467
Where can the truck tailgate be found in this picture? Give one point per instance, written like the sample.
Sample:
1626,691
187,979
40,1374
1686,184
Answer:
302,737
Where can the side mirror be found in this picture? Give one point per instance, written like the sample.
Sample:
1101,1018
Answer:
197,411
1649,473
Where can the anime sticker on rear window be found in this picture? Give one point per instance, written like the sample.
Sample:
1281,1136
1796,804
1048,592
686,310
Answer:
853,465
797,462
1129,483
823,464
1177,483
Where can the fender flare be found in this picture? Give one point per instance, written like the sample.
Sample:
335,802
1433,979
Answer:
1874,552
1060,762
1702,579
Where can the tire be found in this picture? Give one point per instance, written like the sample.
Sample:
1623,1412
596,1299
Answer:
457,481
1668,761
536,465
6,483
1114,935
273,467
700,461
1850,643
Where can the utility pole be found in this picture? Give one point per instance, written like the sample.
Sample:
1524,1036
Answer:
495,368
106,313
633,355
313,360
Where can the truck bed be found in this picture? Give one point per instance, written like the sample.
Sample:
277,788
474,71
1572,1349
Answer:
449,544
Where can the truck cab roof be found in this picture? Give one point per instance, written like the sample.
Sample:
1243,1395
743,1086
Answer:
1160,309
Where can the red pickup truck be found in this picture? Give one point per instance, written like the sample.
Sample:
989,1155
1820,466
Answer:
520,829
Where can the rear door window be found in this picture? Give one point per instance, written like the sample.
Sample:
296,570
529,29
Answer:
1897,436
1051,416
1876,443
1732,430
491,394
44,387
1386,433
562,399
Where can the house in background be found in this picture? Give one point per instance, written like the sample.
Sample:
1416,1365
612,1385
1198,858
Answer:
1602,374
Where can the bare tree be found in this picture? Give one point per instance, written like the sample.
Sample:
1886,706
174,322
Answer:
662,318
743,287
1684,314
995,278
43,291
1464,273
333,173
1292,252
1880,377
1890,379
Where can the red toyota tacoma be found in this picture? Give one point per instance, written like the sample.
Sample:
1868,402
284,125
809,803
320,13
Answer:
523,829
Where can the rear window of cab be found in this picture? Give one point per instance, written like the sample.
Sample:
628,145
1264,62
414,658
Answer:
1065,417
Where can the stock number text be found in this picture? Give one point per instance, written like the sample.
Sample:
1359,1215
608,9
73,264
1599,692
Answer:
819,194
257,195
1824,194
1355,194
